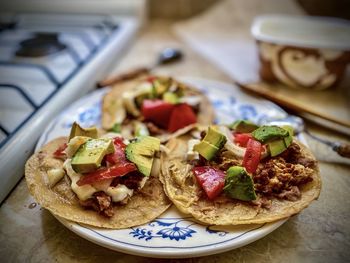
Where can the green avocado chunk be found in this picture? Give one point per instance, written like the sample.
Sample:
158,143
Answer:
206,150
170,97
239,185
243,126
117,127
215,138
160,87
213,141
141,152
77,130
276,147
267,133
289,139
89,156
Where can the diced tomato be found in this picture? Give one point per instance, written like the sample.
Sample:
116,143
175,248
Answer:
181,116
107,173
151,79
119,155
59,153
252,155
210,179
157,111
242,138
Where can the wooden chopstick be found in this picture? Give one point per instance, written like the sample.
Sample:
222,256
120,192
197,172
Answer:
292,105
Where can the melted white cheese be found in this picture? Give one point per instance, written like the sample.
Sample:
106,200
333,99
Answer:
191,154
83,192
55,175
119,192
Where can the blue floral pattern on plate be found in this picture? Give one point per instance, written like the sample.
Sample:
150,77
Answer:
176,229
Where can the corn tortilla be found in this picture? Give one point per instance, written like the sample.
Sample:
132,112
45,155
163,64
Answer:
182,189
143,206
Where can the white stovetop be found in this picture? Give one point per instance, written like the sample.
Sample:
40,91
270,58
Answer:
16,105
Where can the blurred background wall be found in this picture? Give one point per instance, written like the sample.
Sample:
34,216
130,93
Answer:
179,9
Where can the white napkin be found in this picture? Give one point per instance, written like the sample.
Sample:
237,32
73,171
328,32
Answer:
222,34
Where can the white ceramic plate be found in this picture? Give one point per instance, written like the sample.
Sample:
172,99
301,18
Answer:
174,235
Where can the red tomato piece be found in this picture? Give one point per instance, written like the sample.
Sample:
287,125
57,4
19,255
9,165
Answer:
242,138
157,111
119,155
59,153
107,173
181,116
151,79
252,155
210,179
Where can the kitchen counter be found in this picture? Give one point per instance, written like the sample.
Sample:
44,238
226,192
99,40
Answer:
321,233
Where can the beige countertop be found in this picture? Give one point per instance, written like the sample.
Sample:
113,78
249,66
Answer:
321,233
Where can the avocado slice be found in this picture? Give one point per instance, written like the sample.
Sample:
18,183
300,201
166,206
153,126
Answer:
205,149
267,133
280,145
239,185
212,142
140,129
116,127
289,139
243,126
277,146
160,87
89,156
170,97
215,138
77,130
141,152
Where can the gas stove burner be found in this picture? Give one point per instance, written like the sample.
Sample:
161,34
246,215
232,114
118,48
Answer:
7,25
42,44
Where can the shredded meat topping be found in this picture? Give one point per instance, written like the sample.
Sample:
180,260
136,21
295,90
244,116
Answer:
293,155
276,176
100,202
131,180
292,194
222,161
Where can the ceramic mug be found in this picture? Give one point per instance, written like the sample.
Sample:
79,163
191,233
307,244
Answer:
302,51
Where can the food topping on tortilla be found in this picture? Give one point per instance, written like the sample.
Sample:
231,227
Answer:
212,142
104,170
162,104
77,130
239,185
141,151
243,126
246,162
89,156
212,180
